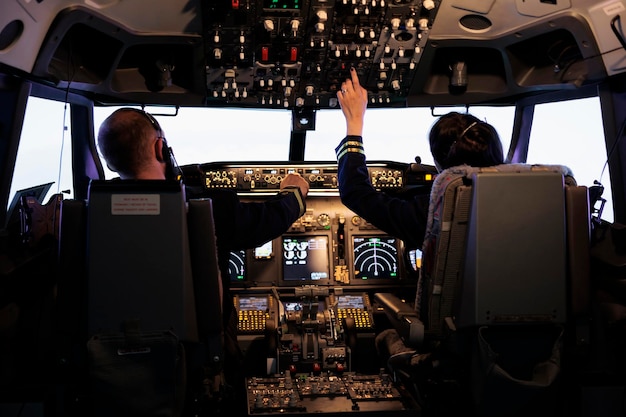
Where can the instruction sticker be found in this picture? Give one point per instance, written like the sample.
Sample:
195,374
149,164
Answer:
136,204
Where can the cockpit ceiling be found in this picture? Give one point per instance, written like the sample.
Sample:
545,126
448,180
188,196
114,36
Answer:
290,54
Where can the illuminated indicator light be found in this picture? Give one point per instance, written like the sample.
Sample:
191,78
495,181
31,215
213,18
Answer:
428,177
235,4
282,4
294,53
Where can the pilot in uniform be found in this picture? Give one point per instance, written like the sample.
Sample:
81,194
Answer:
402,218
238,225
455,139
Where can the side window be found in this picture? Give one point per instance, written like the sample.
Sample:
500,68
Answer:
571,133
44,153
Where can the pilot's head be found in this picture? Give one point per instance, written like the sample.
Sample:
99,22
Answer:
457,139
133,145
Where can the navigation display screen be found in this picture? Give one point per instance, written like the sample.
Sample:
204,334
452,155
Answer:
375,257
305,258
237,266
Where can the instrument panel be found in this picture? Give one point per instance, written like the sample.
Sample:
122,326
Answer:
295,53
322,176
329,245
306,323
348,393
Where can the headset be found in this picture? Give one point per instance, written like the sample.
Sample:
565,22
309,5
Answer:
172,170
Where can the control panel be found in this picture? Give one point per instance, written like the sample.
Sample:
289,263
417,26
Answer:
356,307
296,53
322,177
306,323
330,244
285,394
254,313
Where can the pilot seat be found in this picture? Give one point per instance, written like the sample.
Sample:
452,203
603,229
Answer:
140,324
502,293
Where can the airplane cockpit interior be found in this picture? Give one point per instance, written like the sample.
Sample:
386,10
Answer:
117,297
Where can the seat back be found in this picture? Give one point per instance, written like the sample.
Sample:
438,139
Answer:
504,270
496,247
138,261
515,255
141,287
206,278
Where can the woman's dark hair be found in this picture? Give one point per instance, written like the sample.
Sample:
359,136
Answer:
457,139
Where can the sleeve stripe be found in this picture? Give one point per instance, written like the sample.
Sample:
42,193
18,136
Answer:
341,153
348,145
296,192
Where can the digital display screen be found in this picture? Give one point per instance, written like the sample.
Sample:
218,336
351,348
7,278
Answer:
264,251
305,258
252,303
38,192
375,257
237,266
293,306
350,301
415,257
281,4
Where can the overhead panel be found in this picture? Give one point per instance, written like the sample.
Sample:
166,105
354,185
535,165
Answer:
296,53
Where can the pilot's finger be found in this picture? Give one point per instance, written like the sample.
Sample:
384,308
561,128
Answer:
355,78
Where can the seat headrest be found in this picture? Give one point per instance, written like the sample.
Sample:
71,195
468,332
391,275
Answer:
449,174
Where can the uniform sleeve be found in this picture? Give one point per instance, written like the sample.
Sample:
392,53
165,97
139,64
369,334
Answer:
243,225
405,219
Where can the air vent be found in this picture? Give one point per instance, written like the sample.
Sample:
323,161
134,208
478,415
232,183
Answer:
475,22
10,33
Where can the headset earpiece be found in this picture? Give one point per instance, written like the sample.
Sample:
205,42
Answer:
168,158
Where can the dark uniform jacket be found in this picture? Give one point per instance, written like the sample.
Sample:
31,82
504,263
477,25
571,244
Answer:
402,218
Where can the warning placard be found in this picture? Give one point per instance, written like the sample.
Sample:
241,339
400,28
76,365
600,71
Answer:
136,204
